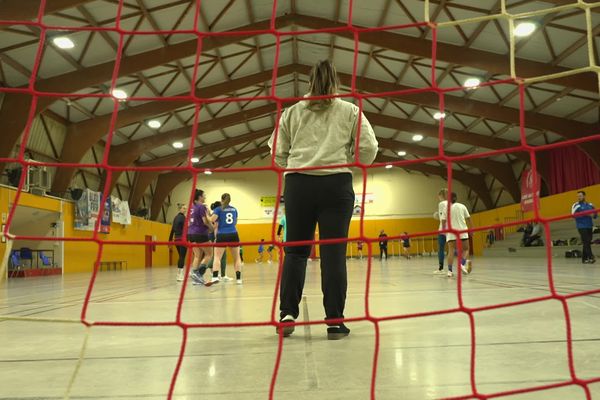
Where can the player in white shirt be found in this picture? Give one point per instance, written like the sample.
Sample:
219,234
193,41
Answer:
460,220
440,214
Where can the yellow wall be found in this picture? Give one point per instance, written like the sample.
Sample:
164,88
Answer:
402,202
558,205
393,227
551,206
397,194
80,256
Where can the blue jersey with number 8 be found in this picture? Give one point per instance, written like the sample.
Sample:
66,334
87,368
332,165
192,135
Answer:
227,219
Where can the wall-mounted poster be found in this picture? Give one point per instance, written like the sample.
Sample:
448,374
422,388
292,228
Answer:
267,203
86,212
105,221
83,212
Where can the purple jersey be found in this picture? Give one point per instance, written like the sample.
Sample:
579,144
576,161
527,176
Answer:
197,226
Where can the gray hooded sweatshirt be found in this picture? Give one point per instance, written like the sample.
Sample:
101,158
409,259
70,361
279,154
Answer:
323,136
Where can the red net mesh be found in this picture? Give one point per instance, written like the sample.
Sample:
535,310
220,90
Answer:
462,308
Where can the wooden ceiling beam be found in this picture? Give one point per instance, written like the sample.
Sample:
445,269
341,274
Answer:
167,182
19,10
476,182
497,169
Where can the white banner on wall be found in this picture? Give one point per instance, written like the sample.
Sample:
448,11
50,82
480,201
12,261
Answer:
120,211
269,211
369,199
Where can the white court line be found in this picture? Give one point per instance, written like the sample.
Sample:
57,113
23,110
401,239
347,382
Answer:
588,304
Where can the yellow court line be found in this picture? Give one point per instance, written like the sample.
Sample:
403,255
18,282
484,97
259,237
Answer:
79,363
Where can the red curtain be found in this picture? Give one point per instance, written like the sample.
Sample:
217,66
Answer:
571,169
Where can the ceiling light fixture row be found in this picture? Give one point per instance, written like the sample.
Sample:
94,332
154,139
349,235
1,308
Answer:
524,28
63,42
154,124
119,94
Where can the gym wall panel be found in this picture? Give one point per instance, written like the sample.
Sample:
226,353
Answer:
80,256
558,205
397,194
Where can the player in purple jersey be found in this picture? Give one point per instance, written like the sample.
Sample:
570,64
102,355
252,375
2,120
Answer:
199,227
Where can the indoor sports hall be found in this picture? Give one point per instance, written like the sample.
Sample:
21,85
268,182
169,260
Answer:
299,199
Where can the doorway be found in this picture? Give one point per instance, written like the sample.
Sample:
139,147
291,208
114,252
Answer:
36,257
149,250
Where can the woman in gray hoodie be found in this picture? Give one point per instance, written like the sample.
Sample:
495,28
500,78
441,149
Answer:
319,133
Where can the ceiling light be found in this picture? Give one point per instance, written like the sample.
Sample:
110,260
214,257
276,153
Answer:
388,166
208,172
154,124
63,42
178,145
472,83
401,153
524,29
119,94
417,138
439,115
194,159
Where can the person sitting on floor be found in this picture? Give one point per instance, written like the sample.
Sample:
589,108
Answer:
534,236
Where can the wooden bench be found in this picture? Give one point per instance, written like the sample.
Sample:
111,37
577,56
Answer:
114,263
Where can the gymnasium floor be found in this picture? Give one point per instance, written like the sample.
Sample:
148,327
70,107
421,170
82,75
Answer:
422,358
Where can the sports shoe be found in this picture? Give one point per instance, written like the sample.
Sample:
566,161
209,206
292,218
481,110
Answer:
337,332
197,279
287,330
215,279
438,272
450,274
226,278
238,281
467,267
180,275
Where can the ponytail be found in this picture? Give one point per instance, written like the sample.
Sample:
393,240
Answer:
225,199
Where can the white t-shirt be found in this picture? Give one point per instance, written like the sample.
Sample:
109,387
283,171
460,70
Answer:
458,219
441,214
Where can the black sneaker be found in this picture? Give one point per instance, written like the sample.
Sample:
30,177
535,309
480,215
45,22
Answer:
337,332
289,329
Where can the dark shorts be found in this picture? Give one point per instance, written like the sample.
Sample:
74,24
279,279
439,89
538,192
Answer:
228,238
270,249
406,245
197,238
